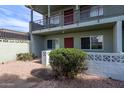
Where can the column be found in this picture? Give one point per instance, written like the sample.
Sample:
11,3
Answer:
31,15
30,30
48,16
118,37
76,14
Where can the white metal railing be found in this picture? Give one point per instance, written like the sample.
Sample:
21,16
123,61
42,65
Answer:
75,17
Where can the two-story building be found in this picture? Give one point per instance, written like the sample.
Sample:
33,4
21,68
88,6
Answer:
97,29
92,28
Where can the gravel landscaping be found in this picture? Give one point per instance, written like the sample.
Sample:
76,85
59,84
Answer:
35,75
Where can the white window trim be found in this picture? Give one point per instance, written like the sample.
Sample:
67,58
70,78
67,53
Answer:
90,43
53,39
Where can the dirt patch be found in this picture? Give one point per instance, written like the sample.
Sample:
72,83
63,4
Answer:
33,74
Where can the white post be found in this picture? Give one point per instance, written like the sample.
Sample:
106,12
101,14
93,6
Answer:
48,10
31,15
48,16
76,15
118,37
77,7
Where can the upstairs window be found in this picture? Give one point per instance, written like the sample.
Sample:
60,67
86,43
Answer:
96,11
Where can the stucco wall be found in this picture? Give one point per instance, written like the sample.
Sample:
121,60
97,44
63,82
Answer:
37,44
113,70
8,50
110,10
107,34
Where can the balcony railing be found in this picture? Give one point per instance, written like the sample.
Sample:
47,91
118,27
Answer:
78,16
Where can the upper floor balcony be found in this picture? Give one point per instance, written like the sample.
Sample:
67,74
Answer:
69,17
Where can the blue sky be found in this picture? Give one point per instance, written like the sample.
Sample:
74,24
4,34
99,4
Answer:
16,17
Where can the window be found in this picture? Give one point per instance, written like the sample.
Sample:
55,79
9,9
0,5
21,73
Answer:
96,11
96,42
85,43
92,42
50,44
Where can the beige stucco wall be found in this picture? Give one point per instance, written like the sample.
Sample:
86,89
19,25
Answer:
107,34
8,50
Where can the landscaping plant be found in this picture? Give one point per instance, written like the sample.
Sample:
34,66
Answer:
24,56
67,62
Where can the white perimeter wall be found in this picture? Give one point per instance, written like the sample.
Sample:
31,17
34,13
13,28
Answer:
9,49
109,65
106,65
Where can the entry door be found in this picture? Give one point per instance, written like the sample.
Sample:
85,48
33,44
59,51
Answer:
68,42
68,17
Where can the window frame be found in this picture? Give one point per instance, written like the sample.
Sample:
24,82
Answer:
47,44
91,43
55,43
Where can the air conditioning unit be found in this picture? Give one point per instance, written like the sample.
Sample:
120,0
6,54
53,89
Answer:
45,57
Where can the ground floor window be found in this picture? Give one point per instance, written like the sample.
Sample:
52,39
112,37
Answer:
50,44
92,42
85,43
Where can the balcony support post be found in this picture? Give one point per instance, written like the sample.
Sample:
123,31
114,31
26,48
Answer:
31,15
31,29
76,14
48,10
77,7
48,16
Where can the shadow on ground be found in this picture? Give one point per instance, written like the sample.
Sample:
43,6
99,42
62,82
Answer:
82,81
37,61
14,81
43,73
43,78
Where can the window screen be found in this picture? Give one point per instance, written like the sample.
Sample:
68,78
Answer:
49,44
85,43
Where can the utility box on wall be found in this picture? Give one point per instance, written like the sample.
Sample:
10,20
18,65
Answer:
45,57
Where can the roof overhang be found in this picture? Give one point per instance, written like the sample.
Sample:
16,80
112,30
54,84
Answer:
43,9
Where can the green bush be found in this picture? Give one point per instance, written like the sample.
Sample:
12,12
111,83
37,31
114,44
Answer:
67,62
24,56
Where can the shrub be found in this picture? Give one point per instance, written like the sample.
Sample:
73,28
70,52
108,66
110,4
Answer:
24,56
67,62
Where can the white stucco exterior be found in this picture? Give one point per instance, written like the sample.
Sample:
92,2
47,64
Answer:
8,50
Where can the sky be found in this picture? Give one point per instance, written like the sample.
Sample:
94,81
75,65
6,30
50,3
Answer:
16,17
